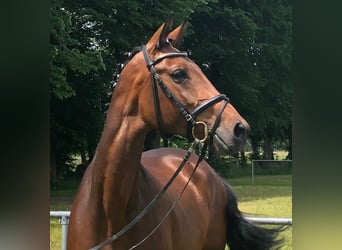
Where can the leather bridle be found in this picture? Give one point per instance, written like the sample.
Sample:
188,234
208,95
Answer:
190,117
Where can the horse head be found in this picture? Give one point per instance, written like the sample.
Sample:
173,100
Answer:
168,91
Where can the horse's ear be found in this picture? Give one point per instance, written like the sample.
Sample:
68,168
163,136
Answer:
176,36
165,32
159,38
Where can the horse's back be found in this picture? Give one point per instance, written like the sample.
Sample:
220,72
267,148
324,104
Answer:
200,213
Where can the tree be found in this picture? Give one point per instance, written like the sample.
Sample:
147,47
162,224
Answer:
274,67
69,63
223,41
246,48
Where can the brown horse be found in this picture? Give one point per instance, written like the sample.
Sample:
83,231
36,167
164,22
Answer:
121,180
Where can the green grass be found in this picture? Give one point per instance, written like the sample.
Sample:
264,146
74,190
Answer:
55,234
270,196
261,180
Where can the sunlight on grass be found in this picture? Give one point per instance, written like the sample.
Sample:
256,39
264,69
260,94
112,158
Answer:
280,154
271,207
55,234
271,196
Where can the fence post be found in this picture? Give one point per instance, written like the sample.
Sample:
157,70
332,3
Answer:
64,221
253,172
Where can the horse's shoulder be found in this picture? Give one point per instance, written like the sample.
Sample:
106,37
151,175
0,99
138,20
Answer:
169,159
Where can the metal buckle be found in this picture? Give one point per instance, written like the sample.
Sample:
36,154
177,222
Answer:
188,117
206,131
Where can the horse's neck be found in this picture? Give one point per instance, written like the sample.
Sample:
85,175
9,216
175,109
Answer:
117,161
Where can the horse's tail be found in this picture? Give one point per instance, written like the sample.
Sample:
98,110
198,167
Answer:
244,235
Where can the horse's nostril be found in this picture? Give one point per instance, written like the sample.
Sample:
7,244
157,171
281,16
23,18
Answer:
239,130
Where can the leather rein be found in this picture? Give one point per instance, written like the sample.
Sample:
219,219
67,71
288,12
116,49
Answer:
190,117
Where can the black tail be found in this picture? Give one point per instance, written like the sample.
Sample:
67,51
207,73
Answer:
244,235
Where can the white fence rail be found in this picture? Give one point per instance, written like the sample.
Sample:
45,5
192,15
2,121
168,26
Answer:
64,221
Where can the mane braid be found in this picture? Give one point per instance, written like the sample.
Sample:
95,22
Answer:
130,55
134,51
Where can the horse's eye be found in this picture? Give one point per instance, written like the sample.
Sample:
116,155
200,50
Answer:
179,75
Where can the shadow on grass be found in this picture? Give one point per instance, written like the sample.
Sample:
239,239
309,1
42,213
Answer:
62,195
264,187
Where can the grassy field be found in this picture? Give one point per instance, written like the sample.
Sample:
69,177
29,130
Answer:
271,196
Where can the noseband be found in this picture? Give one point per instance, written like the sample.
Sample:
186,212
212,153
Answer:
190,117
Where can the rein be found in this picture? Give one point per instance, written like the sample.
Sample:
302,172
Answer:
156,198
192,123
186,158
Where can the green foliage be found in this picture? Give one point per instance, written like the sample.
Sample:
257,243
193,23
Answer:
74,66
65,56
180,142
87,41
247,47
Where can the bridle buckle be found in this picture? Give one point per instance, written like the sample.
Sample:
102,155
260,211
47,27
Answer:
188,117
